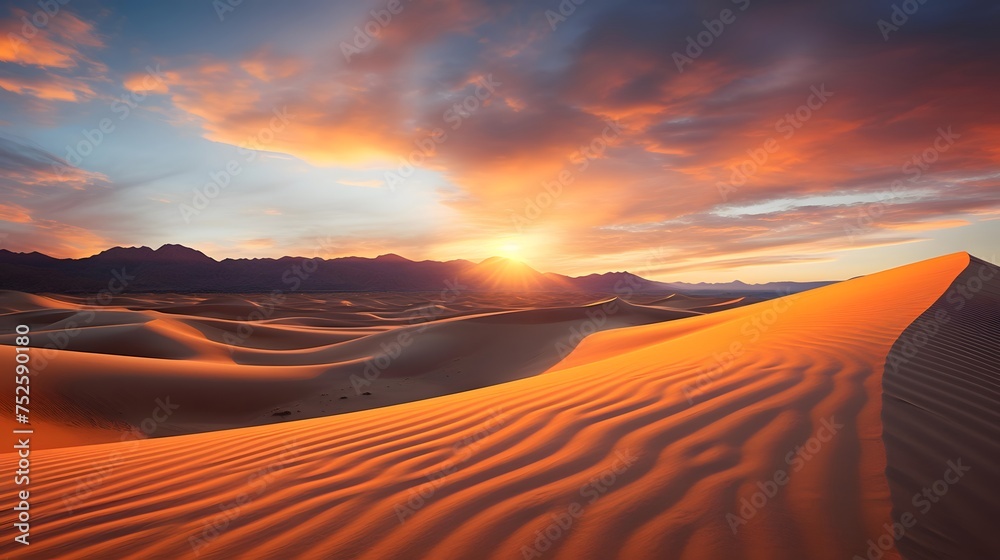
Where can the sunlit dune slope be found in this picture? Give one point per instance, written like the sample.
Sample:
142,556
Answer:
637,447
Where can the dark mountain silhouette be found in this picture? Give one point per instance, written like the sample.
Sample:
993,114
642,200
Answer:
175,268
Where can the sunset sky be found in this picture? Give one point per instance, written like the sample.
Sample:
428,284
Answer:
445,132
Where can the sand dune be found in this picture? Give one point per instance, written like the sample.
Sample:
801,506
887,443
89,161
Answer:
657,441
288,362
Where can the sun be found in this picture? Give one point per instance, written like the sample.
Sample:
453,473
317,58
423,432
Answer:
510,251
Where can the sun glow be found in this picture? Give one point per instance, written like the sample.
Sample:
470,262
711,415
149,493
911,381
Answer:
510,251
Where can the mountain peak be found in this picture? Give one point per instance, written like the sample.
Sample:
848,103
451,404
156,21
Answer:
180,252
118,252
392,257
168,252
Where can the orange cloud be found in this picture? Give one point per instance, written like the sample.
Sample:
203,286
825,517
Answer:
267,66
930,225
54,45
14,213
48,86
144,83
329,121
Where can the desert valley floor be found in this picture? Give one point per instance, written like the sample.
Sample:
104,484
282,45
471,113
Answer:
860,419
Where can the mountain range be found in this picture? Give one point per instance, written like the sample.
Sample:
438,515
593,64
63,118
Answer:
176,268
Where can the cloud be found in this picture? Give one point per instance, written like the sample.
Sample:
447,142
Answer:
266,65
14,213
48,57
797,172
28,167
56,44
48,86
144,82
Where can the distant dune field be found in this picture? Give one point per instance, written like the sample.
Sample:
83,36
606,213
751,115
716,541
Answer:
231,361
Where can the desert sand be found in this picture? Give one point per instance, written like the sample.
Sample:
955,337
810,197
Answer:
788,428
300,356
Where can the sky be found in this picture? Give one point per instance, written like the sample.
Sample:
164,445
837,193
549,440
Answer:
683,141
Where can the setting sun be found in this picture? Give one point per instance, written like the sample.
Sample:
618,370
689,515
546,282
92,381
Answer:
510,251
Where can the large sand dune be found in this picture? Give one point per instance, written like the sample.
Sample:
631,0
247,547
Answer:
750,433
